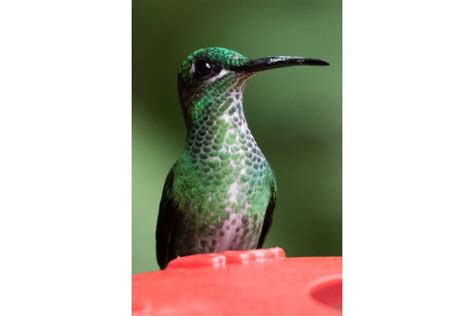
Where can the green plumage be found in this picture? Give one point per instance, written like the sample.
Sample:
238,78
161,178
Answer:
221,192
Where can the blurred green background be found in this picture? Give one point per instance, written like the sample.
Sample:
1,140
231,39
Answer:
295,113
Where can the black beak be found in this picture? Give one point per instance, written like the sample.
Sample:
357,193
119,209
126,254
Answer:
265,63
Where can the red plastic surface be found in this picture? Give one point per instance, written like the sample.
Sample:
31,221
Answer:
254,282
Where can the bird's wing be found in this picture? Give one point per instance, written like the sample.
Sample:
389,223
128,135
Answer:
166,225
267,222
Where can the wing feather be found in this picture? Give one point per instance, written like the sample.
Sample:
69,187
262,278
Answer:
166,224
267,222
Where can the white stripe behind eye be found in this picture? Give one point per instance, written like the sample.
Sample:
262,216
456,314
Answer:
221,74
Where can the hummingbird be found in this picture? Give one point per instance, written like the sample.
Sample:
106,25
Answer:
221,192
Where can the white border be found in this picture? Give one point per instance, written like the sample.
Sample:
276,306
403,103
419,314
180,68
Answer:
65,163
408,158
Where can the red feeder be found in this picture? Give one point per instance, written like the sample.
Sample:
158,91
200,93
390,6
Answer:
252,282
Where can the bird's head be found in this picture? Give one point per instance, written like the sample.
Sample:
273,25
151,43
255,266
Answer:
209,75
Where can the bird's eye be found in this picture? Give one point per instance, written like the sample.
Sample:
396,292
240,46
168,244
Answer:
204,68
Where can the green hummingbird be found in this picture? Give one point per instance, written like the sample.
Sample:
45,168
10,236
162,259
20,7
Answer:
221,192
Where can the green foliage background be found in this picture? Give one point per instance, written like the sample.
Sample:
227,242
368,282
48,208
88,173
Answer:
295,113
